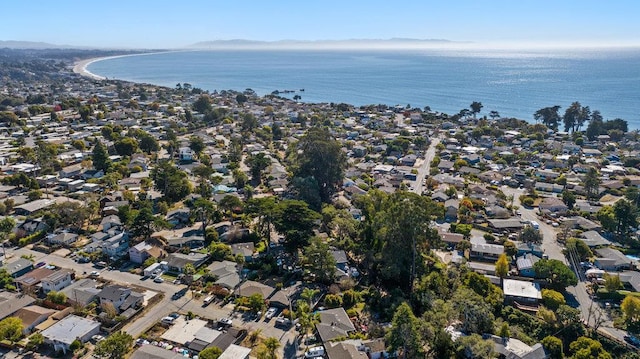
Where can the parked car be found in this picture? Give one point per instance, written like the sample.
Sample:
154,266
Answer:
225,322
315,352
168,320
271,312
40,264
179,294
158,280
283,322
94,274
632,340
208,300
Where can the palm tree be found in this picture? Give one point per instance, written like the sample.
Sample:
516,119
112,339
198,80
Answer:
271,344
308,294
253,337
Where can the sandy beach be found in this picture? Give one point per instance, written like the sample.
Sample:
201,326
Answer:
80,67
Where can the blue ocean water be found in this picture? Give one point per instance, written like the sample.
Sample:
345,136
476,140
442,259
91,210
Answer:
514,83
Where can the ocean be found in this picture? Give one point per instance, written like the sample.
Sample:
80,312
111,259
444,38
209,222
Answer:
514,83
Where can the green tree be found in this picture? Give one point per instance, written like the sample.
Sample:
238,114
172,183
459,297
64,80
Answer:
35,341
219,251
591,183
575,116
256,302
549,116
57,297
607,218
552,299
556,273
210,353
258,163
502,266
553,346
202,104
318,260
11,329
474,313
587,348
510,248
476,107
530,235
612,282
196,145
504,331
6,226
626,215
474,347
404,336
631,309
296,221
333,300
126,146
115,346
100,157
148,143
170,181
569,198
321,157
308,294
270,345
583,250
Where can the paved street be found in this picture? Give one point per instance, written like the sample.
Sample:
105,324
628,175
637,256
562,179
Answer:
425,166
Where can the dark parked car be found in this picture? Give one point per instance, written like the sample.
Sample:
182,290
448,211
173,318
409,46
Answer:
179,294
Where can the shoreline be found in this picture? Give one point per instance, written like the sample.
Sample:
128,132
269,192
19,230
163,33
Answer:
80,66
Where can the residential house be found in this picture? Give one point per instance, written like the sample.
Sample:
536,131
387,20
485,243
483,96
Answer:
523,293
484,251
594,239
525,264
63,238
524,248
12,302
31,316
177,261
122,298
235,352
246,250
109,222
143,250
334,323
185,154
344,350
82,292
505,225
226,272
71,171
179,217
451,209
30,282
19,267
250,288
610,259
342,263
192,242
515,349
154,352
63,333
34,206
553,205
57,280
451,239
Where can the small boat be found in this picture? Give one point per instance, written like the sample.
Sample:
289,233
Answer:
301,90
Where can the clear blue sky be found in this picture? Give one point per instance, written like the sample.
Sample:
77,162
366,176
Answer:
177,23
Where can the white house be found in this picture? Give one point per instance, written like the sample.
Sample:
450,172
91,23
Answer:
57,280
66,331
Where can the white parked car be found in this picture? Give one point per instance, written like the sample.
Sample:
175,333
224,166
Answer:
271,312
167,320
158,280
315,352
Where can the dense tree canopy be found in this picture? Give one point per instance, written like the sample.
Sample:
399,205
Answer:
556,273
170,181
115,346
320,156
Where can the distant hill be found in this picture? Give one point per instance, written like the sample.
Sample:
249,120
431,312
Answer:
11,44
329,44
